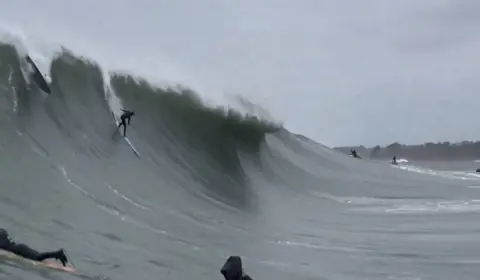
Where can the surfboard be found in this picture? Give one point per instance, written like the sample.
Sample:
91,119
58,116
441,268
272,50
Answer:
46,263
38,77
124,137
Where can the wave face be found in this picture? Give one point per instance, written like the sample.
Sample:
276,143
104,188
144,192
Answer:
210,183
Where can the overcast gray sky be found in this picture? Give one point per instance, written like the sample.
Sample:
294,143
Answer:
340,71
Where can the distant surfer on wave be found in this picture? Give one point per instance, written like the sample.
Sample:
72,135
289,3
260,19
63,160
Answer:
353,153
126,115
394,160
7,244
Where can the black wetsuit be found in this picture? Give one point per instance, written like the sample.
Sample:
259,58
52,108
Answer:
126,115
232,269
354,153
7,244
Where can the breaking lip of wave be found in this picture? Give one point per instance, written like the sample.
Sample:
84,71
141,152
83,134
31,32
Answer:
119,87
45,52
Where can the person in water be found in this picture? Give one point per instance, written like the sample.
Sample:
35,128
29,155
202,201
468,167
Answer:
232,269
354,153
126,115
394,160
7,244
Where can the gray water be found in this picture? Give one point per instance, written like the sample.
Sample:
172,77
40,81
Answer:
209,185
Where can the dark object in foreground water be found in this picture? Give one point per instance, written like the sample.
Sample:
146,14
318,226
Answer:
38,77
232,269
478,169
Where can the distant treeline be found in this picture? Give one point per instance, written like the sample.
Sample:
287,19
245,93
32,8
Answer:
465,150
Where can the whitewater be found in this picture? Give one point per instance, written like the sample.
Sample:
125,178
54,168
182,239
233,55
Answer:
211,182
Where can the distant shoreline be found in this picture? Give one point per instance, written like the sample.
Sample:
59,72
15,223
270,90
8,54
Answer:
466,150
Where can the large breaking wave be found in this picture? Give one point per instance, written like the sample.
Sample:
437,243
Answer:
211,182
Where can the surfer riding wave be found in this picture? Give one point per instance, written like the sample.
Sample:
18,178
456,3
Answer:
125,116
7,244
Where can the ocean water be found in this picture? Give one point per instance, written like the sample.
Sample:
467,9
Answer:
211,183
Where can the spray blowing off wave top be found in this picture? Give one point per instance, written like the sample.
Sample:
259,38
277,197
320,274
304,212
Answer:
175,111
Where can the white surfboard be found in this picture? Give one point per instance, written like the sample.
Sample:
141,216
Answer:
131,146
124,137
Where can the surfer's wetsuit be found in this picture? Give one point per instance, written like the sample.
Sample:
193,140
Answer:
28,59
7,244
232,269
354,153
126,115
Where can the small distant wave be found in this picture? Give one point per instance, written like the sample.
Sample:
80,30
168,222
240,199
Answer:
458,175
413,206
459,206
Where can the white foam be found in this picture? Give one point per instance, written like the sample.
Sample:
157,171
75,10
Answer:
454,206
456,175
409,205
14,91
412,206
131,201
